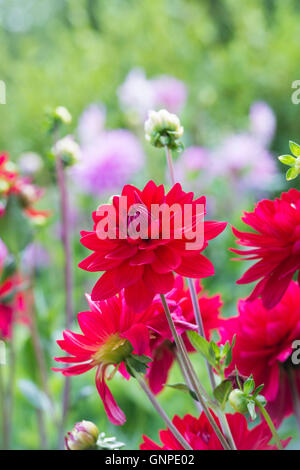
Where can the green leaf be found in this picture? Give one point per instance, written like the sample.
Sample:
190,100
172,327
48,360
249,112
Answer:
36,397
291,174
201,345
251,409
262,400
184,388
258,390
249,385
222,392
287,160
228,357
133,366
15,228
143,359
295,148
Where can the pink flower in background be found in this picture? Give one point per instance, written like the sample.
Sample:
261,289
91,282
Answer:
168,93
243,157
138,94
262,122
35,256
91,123
108,162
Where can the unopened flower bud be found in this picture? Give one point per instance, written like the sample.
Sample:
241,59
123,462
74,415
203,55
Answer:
62,114
68,150
83,436
163,129
239,401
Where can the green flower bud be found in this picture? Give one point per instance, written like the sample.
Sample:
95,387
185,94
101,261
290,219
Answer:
62,114
68,150
163,129
83,436
239,401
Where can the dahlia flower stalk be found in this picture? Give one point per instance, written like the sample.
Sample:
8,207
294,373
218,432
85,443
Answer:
144,266
181,307
274,245
199,433
264,348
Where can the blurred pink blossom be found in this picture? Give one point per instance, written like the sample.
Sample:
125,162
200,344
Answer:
262,122
138,94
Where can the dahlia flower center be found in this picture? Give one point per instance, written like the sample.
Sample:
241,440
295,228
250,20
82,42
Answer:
114,351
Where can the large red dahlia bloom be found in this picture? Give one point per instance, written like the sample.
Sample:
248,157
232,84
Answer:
111,332
264,345
200,435
144,266
276,246
162,348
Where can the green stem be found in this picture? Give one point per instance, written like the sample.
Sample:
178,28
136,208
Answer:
269,423
193,379
162,412
198,317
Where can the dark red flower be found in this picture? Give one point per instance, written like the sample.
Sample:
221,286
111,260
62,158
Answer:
144,266
200,435
12,300
264,345
276,246
180,304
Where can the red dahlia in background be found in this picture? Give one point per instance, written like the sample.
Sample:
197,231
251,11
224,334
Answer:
144,267
12,301
200,435
275,245
264,345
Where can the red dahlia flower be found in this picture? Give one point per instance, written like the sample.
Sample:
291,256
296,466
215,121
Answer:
200,435
111,332
179,301
276,246
263,347
12,302
144,266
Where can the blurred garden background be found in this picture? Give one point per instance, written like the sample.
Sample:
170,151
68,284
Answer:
225,67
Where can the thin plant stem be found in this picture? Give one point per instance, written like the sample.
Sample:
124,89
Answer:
199,390
222,417
200,326
187,379
65,228
10,391
170,165
162,413
269,423
4,411
295,395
